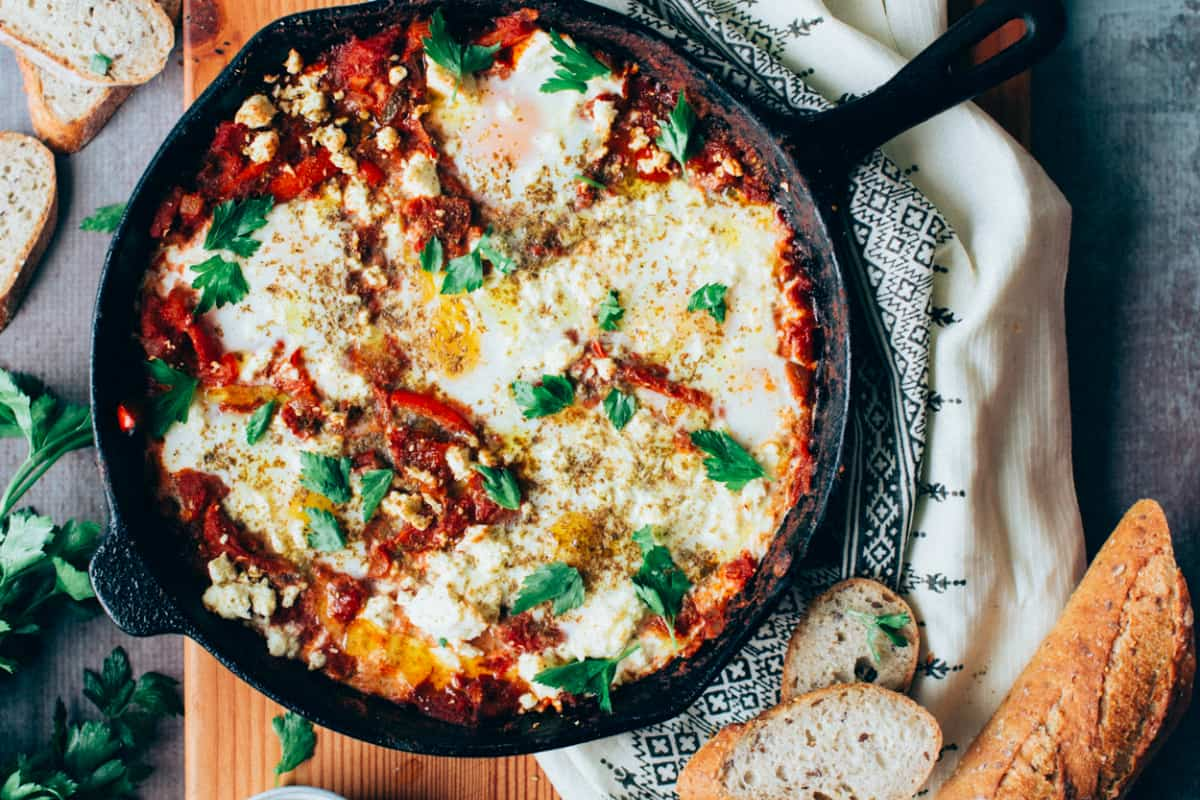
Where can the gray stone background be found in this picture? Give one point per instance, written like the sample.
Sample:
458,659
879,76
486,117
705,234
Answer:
1116,122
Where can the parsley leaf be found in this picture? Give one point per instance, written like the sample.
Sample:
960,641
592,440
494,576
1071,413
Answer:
219,282
326,475
590,676
677,134
297,741
892,626
172,405
98,759
40,566
610,313
592,182
553,395
576,66
556,581
324,532
620,408
659,582
104,219
711,298
487,249
259,421
463,274
375,485
458,59
431,255
100,64
500,485
728,461
234,220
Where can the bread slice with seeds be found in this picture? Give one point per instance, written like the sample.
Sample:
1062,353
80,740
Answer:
857,741
67,113
852,633
107,42
28,211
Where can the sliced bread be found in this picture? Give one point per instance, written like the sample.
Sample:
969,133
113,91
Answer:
1104,689
838,640
67,113
107,42
857,741
28,211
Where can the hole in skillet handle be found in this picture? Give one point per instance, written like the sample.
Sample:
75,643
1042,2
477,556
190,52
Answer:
829,143
127,592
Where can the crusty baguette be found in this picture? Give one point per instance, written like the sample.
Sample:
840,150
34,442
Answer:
856,740
28,211
831,646
64,36
1104,688
67,113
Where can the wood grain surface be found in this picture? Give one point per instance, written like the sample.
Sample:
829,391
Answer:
229,748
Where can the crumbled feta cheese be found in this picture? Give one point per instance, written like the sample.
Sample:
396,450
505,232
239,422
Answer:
331,137
256,112
282,642
387,139
397,74
379,610
459,459
657,161
263,146
294,63
419,177
305,99
606,368
237,596
638,140
406,507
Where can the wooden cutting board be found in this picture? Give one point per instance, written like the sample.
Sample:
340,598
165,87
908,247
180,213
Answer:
229,748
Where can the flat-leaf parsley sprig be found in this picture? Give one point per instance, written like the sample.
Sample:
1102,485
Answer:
659,582
592,676
576,66
891,625
728,462
104,219
678,134
219,280
556,581
541,400
460,60
297,742
41,565
98,759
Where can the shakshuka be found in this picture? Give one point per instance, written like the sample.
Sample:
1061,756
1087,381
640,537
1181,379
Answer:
478,366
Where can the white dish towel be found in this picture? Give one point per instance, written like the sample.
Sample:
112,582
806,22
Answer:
959,461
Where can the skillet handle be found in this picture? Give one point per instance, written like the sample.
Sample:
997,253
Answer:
129,594
931,83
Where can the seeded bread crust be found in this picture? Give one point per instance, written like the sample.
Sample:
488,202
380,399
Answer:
1105,687
838,757
830,647
28,212
137,34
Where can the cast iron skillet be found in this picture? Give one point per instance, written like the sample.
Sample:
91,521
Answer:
147,587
